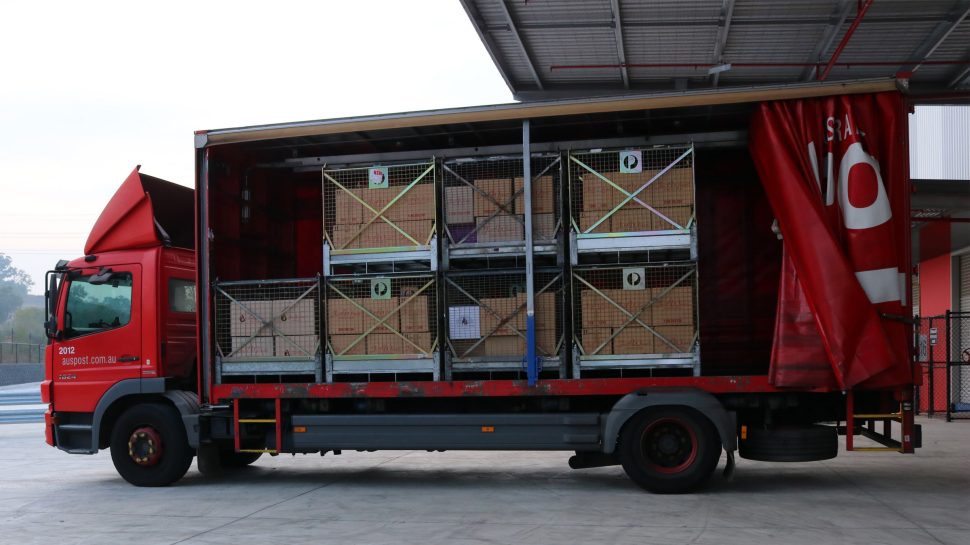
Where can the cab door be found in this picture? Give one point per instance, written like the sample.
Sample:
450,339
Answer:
100,335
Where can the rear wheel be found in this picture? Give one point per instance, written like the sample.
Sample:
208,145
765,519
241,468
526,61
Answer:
669,450
149,446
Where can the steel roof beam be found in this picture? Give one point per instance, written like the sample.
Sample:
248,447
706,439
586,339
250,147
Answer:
618,35
723,27
837,19
938,35
962,76
518,40
860,14
483,33
737,21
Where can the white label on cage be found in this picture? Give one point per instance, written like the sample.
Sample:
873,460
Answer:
464,322
377,178
633,278
380,288
924,349
631,162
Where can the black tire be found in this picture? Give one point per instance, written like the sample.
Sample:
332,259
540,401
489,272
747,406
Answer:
149,446
237,460
669,450
792,444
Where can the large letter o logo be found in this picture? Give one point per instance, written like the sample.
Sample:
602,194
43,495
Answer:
875,213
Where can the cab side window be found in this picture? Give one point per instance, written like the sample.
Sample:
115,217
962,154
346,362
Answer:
181,295
97,307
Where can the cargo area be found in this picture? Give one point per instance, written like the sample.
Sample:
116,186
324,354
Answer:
401,254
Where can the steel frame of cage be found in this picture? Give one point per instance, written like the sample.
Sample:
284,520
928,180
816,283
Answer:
424,250
677,237
456,362
461,248
584,360
421,361
231,364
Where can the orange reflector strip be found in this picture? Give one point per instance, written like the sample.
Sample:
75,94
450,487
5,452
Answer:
299,429
488,429
744,432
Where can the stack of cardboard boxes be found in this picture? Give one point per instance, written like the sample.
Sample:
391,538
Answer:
672,316
354,333
413,213
469,210
502,319
672,195
293,332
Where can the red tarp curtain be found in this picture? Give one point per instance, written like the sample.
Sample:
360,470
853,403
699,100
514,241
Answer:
836,172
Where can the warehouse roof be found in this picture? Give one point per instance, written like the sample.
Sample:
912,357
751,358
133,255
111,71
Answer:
558,48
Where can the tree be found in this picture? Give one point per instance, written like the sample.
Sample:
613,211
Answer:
14,284
26,325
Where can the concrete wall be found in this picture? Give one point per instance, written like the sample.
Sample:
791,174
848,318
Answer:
19,373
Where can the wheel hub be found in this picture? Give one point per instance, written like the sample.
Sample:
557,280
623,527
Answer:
669,445
145,446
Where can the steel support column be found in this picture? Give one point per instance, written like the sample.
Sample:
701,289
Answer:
532,364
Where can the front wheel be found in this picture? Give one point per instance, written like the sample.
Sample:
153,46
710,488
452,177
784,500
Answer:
669,450
149,446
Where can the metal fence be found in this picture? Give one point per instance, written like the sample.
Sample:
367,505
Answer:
943,351
19,352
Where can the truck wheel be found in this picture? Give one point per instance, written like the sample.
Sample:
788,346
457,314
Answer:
794,444
234,460
669,450
149,447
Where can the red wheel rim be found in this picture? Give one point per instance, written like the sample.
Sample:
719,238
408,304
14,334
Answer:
145,446
668,445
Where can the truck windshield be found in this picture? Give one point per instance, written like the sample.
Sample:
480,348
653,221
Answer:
97,307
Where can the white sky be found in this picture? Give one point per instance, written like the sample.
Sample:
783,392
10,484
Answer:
89,90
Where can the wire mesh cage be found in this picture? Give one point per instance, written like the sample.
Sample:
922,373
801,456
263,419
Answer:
484,200
382,318
379,207
637,309
631,191
487,318
267,321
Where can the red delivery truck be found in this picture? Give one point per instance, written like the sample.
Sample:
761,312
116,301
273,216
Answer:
645,281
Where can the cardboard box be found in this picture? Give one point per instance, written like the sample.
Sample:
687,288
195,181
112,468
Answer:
504,307
545,307
343,317
674,308
459,204
597,311
633,339
675,188
302,346
381,308
544,227
414,314
632,220
375,198
592,337
546,342
381,234
498,189
512,346
680,214
587,219
345,236
463,233
417,204
500,229
681,336
385,343
422,340
340,343
294,317
543,195
242,323
257,347
348,209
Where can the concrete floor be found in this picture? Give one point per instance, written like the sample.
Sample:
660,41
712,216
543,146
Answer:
48,497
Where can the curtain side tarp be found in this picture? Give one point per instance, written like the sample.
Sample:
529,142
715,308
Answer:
836,172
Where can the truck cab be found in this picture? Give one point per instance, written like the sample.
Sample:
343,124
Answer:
121,320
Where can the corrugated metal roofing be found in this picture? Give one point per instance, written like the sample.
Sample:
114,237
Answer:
549,48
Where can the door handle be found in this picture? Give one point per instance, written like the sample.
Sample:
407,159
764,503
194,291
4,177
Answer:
128,358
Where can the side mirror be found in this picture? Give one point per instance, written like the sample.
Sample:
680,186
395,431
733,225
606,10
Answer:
50,325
